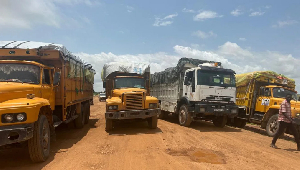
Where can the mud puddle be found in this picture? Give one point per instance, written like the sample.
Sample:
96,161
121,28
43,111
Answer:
200,155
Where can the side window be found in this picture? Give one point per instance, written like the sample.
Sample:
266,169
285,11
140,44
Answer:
46,76
189,77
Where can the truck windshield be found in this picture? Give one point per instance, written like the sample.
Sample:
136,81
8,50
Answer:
129,82
23,73
281,93
215,78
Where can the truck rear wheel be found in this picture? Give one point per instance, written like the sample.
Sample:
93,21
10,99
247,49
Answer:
272,125
80,120
185,118
152,122
220,121
39,144
87,113
109,124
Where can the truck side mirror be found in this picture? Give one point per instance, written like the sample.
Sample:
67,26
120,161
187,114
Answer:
193,84
104,84
262,91
56,79
186,81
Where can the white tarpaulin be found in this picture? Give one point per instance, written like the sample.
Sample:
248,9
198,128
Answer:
127,67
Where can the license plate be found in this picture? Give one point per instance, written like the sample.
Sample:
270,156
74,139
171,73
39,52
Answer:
218,110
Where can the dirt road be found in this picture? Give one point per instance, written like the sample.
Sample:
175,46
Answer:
134,146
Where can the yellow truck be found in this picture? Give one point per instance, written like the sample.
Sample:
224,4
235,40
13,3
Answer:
127,87
41,86
259,95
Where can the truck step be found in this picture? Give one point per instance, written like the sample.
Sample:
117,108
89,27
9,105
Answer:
72,118
55,124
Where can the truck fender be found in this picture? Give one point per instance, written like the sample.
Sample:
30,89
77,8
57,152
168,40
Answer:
183,100
38,106
270,112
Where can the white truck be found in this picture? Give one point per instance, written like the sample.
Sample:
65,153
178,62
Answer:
196,89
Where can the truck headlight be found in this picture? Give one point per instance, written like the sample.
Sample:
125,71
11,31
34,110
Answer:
8,117
202,109
153,105
20,117
13,117
113,107
233,110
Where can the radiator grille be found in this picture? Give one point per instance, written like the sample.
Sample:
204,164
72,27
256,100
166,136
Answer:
134,101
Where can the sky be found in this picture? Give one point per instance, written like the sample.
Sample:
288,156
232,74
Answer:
244,35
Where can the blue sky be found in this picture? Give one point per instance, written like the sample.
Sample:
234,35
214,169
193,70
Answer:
239,33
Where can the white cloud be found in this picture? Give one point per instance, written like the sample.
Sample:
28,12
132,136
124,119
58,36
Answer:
204,15
167,20
230,54
256,13
242,39
188,10
27,13
204,35
129,8
236,12
285,23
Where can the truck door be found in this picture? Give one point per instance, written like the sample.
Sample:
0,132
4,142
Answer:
189,84
47,87
263,100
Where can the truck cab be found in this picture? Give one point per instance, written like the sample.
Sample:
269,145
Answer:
268,102
128,95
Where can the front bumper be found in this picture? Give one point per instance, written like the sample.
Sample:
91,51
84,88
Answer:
15,133
217,110
132,114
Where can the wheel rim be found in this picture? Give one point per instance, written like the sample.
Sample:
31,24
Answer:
182,117
273,126
45,137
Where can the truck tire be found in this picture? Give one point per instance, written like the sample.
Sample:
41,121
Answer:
163,115
272,125
240,123
109,124
87,113
220,121
152,122
80,120
39,144
184,117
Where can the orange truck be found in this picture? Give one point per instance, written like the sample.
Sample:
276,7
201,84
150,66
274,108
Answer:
41,86
259,95
127,87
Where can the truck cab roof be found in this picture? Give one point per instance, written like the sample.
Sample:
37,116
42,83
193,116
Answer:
26,62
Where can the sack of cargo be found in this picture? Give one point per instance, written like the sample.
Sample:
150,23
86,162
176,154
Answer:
264,76
128,67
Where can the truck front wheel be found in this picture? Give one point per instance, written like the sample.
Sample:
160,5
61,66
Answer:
220,121
152,122
240,123
109,124
39,144
272,125
185,118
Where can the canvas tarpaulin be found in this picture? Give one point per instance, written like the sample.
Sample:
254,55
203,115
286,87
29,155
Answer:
265,76
128,67
171,74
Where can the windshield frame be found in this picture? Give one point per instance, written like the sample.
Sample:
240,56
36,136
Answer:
293,94
216,75
38,74
136,78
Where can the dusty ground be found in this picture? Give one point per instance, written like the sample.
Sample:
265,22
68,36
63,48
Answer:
134,146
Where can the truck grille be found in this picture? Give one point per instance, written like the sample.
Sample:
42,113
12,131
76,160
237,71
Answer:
134,101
